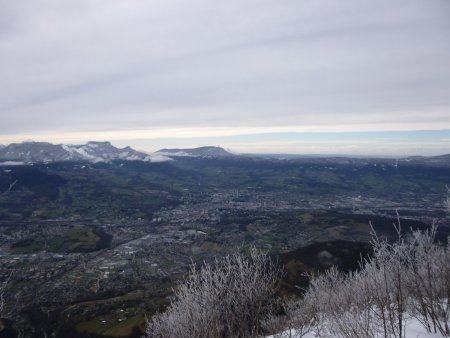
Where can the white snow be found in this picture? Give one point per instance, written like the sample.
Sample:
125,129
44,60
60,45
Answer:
68,148
413,329
82,151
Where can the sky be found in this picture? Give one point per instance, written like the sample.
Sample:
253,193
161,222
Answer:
275,76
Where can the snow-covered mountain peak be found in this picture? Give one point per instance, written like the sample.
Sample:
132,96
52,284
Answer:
36,152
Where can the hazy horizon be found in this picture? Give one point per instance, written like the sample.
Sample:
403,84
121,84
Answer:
358,144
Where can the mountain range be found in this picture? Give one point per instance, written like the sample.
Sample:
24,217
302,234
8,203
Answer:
29,152
37,152
43,152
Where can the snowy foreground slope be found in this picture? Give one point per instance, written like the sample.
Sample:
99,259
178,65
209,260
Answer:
402,291
413,329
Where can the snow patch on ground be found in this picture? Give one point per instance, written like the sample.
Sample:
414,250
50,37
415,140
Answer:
68,148
82,151
413,329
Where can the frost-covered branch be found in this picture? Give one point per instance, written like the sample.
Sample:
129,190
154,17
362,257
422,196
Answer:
229,298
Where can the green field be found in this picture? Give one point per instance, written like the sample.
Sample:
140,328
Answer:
77,239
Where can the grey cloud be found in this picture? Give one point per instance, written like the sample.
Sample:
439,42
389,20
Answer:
112,64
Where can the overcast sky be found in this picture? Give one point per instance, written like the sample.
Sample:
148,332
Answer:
156,72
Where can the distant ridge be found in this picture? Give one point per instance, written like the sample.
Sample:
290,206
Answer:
29,152
440,160
43,152
196,152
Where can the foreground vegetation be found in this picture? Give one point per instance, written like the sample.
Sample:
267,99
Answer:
410,278
236,297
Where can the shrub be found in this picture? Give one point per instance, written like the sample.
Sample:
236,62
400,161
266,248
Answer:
231,298
406,278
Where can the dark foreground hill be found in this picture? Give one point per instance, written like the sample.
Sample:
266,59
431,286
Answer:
317,257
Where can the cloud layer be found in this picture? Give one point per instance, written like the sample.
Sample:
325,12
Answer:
110,65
